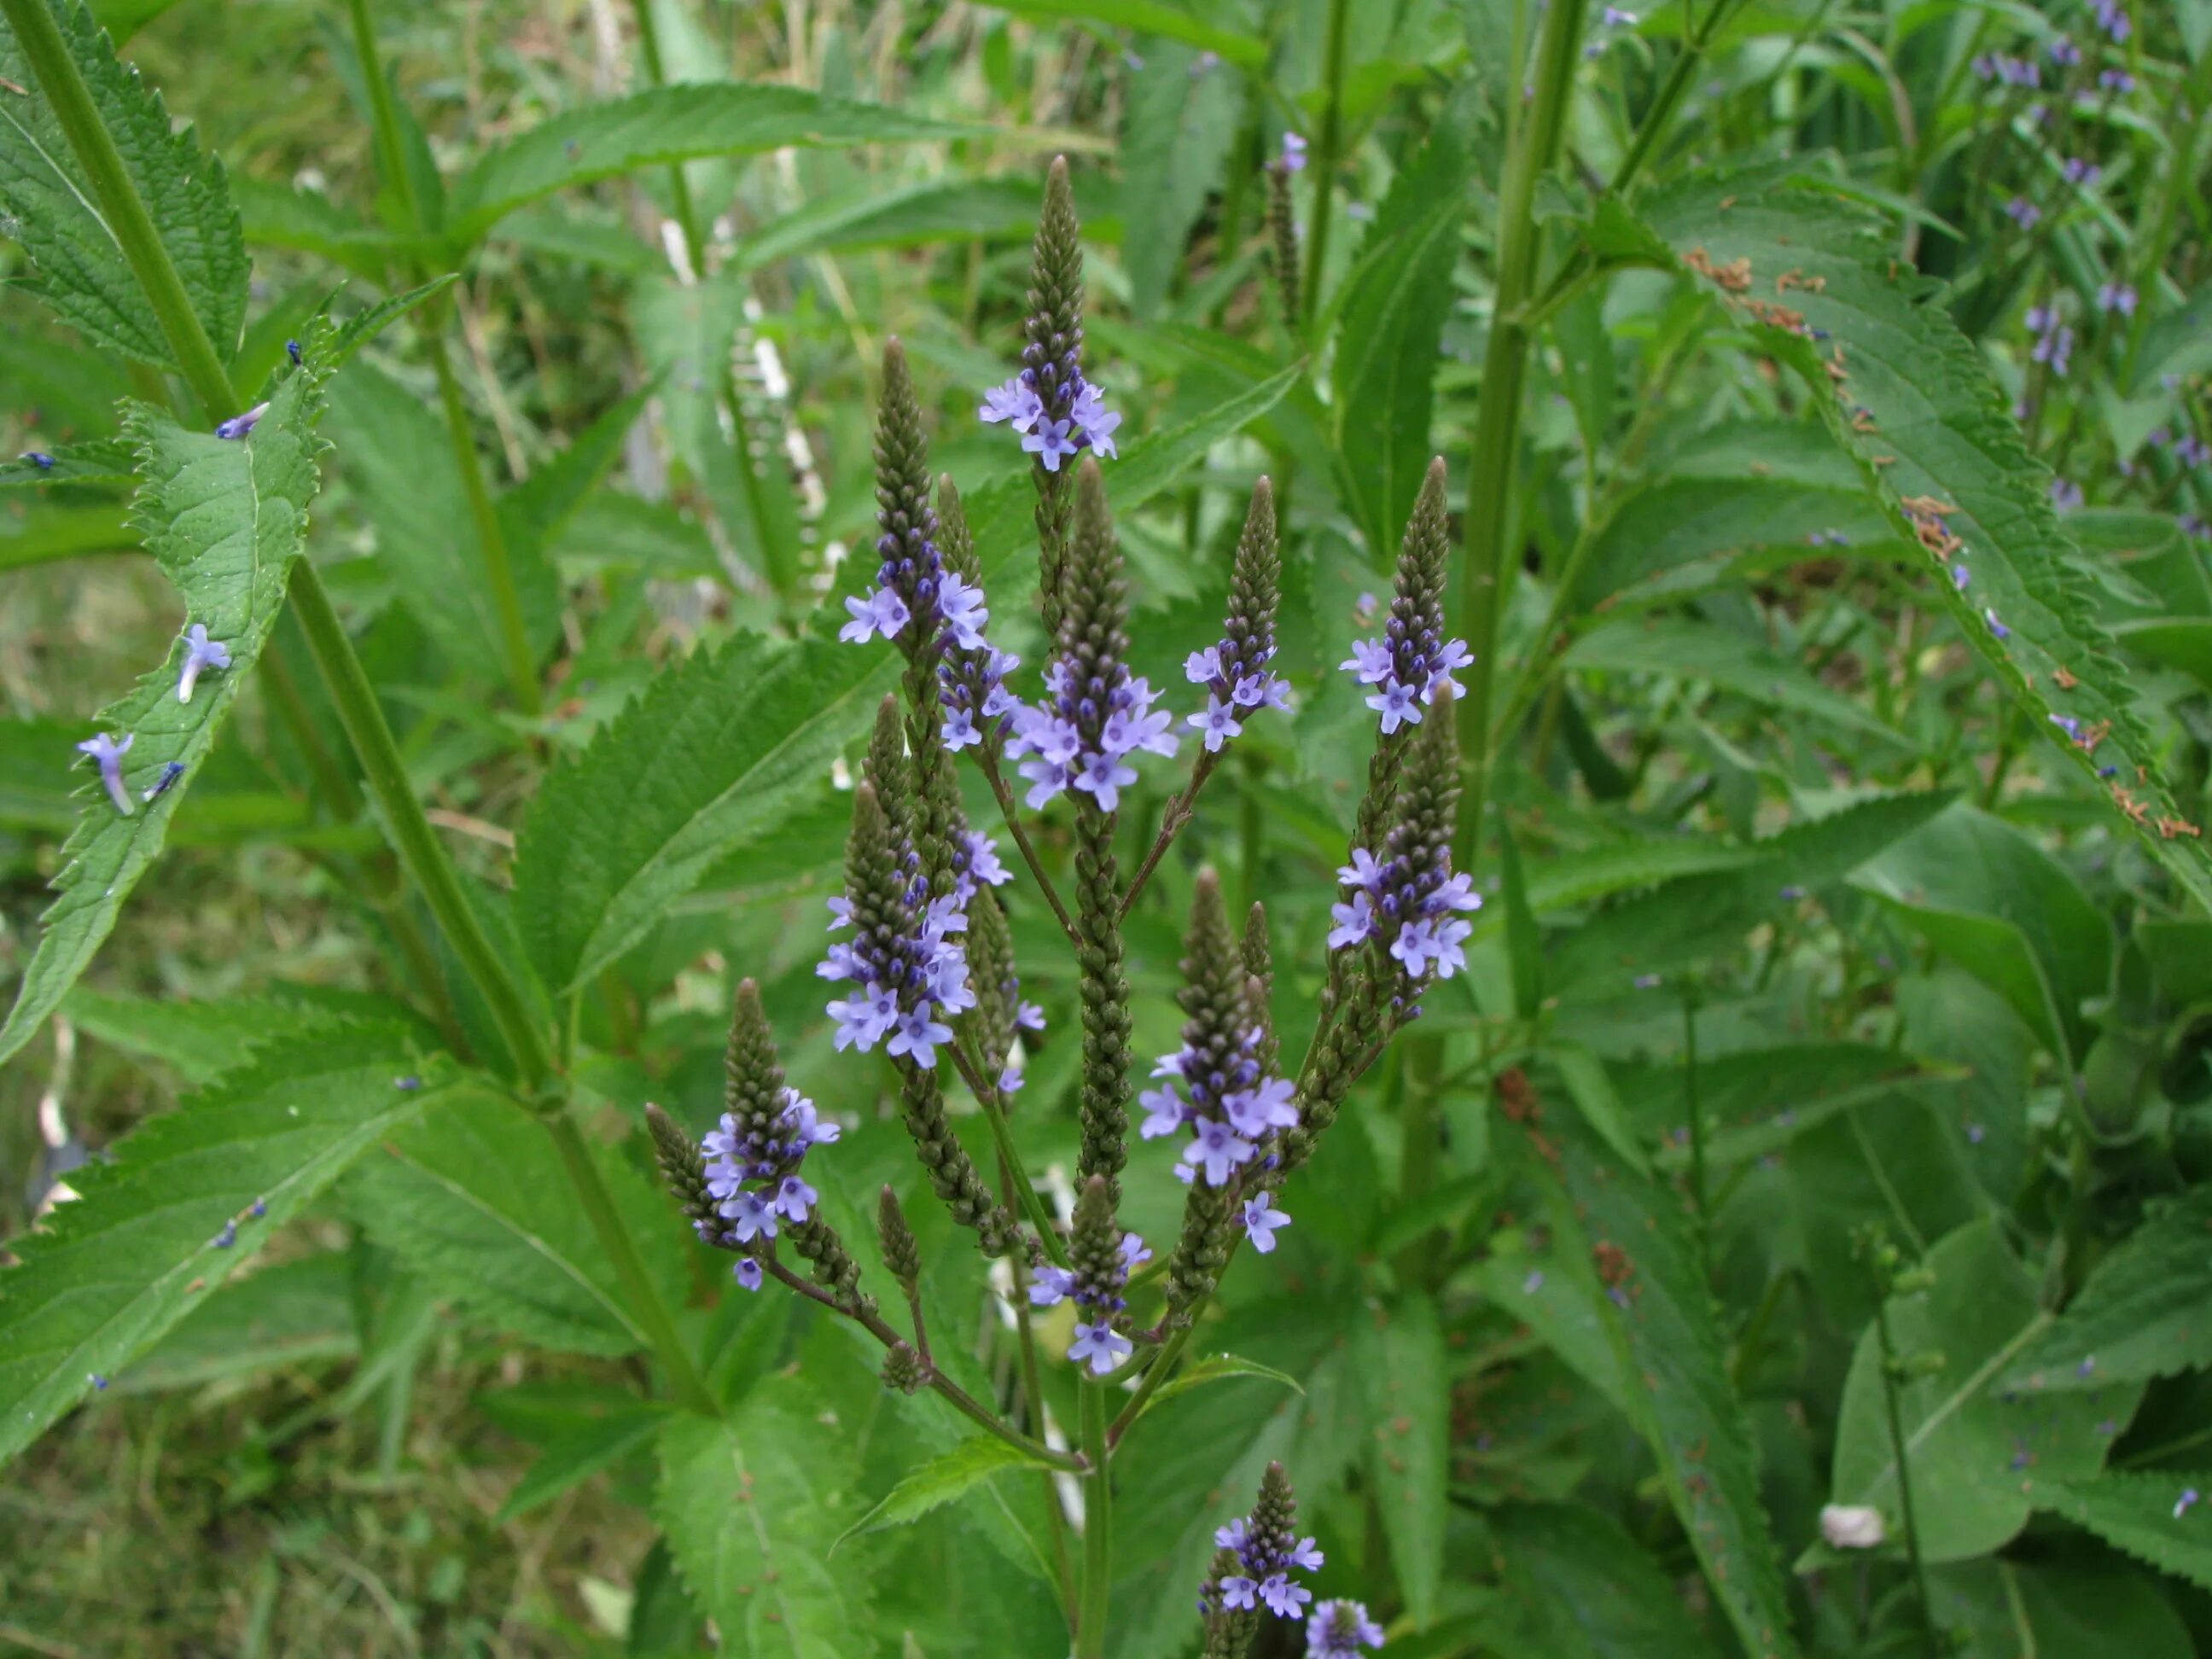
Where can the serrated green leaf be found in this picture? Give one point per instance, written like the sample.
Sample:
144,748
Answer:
475,1200
1660,1312
1394,303
752,1505
288,1313
2156,1517
400,457
224,520
203,1039
2146,1310
1977,1450
943,1478
1176,136
1916,408
1691,917
107,1275
1402,1365
1686,650
718,751
106,462
660,125
82,273
1575,878
358,330
1216,1368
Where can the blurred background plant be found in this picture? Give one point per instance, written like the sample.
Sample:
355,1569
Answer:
1837,751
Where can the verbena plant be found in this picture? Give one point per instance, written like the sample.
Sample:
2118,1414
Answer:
1842,1202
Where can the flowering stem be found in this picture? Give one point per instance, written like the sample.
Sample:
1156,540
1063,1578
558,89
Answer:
1899,1449
989,759
127,219
645,1305
1179,813
1097,1528
1033,1402
1010,1156
1156,1374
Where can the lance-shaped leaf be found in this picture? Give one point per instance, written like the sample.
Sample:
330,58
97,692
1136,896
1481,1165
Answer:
171,1216
943,1479
717,753
752,1505
225,519
661,126
1660,1311
2154,1516
82,273
2145,1312
1809,274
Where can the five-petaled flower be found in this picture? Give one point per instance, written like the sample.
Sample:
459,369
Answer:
1260,1220
200,654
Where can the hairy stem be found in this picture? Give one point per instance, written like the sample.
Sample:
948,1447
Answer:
1179,812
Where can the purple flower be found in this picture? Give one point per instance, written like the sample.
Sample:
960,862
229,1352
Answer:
2184,1503
2117,80
961,604
44,463
1102,778
108,754
1365,872
1294,152
1989,616
1029,1017
2065,494
1355,920
1284,1599
881,612
2191,451
1164,1113
1338,1630
1095,424
238,425
750,1216
864,1020
2023,212
1613,18
201,652
794,1197
917,1035
1052,1287
2117,296
1048,440
1261,1218
1219,724
1400,705
2116,23
2075,171
1217,1149
1269,1105
1014,403
1134,1252
2065,53
1370,659
1099,1345
748,1273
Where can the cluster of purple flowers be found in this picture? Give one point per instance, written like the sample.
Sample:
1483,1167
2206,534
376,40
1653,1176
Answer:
1416,900
906,976
2065,494
2117,296
1098,1299
1268,1561
1081,736
2190,450
2113,18
1231,1113
2054,340
1089,424
755,1176
1238,682
2023,213
2010,71
1338,1630
1408,668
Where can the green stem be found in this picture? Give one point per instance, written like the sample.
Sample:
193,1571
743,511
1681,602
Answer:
128,220
1325,164
1495,464
1898,1449
1025,1192
1661,116
1097,1528
1033,1401
417,845
645,1304
1155,1374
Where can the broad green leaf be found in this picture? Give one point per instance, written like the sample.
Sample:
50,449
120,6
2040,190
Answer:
1916,408
1695,916
2156,1517
358,330
1574,878
751,1504
2007,1609
1169,22
611,531
1589,1086
1977,1450
658,126
106,462
203,1039
1660,1310
1216,1368
224,520
579,1449
1175,135
289,1313
941,1480
105,1276
1400,1353
1683,650
869,216
1679,534
1556,1296
54,533
400,457
475,1200
54,212
1585,1590
1394,303
2146,1310
2184,643
722,748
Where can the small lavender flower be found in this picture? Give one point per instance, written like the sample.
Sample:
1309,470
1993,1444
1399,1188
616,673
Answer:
1294,152
1267,1552
2065,494
200,654
239,426
2191,451
2065,53
1235,671
1960,576
1615,18
2055,348
1989,616
2116,81
1984,67
1014,403
902,960
1101,1257
1338,1630
2023,213
1261,1218
161,785
1051,441
2117,296
108,754
2186,1502
1413,663
2114,21
2079,173
40,458
1411,899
